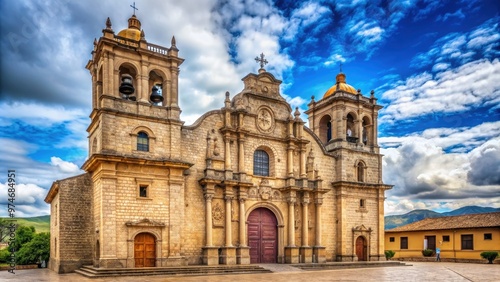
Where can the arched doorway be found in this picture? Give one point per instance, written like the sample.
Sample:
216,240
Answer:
263,236
361,248
144,250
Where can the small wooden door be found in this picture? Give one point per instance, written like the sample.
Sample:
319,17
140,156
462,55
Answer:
361,248
262,236
144,250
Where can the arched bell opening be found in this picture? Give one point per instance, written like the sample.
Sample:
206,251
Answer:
366,135
351,133
156,86
127,82
325,129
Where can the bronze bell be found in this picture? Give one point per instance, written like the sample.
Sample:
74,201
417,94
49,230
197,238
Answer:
126,88
155,97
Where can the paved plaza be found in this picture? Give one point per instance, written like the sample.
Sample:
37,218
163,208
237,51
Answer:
418,271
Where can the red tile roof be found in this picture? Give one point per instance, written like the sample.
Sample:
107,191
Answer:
479,220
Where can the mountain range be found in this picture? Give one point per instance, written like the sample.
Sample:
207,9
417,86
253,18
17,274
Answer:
393,221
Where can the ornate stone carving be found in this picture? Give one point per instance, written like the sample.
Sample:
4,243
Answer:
218,214
265,120
145,222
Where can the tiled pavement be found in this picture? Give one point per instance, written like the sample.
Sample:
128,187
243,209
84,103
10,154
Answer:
419,271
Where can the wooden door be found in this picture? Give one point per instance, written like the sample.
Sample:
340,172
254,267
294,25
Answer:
431,242
361,248
144,250
262,236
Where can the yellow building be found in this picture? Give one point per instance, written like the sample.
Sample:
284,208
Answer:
461,237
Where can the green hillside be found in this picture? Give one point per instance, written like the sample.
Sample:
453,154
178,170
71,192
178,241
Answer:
41,223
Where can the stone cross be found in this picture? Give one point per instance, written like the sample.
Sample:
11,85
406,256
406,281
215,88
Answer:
133,7
261,60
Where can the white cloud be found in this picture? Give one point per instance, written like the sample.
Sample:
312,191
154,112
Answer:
29,200
63,166
454,90
425,175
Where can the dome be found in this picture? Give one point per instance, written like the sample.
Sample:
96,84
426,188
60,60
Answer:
340,85
133,31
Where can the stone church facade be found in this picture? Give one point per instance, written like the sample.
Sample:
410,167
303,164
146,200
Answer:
247,183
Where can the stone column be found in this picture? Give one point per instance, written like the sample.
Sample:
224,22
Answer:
229,240
112,88
228,254
210,253
143,95
227,153
305,219
291,251
208,219
289,161
359,128
303,163
375,129
305,249
242,226
318,250
243,251
291,222
241,155
174,71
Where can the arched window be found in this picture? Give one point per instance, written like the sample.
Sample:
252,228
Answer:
260,163
142,141
361,172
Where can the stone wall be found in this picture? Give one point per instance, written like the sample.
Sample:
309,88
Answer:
71,231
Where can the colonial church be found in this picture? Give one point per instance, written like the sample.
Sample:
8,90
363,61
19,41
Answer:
247,183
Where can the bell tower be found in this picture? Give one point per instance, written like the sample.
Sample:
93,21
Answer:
346,123
134,144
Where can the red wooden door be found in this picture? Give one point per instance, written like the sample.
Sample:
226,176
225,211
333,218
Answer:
361,249
144,250
262,236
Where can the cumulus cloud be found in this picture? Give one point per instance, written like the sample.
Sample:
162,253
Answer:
63,166
454,90
485,164
29,200
426,176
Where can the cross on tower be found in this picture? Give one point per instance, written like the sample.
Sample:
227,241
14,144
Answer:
261,60
133,7
340,66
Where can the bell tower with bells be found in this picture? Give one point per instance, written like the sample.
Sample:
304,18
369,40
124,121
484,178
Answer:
134,137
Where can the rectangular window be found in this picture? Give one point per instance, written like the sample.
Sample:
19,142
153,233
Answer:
467,242
362,203
404,243
391,239
488,236
143,191
446,238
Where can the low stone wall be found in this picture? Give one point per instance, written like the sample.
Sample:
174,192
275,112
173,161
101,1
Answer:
19,267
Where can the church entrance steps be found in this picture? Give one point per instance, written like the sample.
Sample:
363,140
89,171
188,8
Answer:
344,265
93,272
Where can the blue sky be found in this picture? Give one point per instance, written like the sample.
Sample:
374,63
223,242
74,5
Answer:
434,66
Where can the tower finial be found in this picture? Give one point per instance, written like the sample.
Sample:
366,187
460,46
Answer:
340,67
133,7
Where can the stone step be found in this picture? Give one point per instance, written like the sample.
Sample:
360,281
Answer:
343,265
92,272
